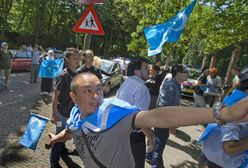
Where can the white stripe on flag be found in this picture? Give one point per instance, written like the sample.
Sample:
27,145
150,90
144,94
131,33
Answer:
105,115
91,127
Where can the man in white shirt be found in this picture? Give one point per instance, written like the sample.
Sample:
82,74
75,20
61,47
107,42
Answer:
134,91
214,86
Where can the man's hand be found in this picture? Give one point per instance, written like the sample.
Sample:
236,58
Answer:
54,118
237,112
52,139
61,137
150,146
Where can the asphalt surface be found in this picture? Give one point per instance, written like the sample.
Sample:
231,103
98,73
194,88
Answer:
21,98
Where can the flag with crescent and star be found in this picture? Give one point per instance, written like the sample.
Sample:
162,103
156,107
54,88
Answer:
32,134
51,68
169,31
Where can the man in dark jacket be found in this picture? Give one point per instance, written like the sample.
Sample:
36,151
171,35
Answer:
62,102
5,65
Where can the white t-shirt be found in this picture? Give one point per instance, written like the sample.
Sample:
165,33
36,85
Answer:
134,91
214,82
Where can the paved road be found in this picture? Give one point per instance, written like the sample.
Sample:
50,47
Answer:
23,98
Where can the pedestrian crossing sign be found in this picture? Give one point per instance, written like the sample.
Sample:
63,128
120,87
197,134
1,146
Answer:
89,23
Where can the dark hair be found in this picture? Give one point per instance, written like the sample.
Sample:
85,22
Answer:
68,54
158,60
177,68
243,75
155,68
135,65
72,49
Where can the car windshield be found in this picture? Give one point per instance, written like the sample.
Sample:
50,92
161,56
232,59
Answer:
194,73
106,66
23,54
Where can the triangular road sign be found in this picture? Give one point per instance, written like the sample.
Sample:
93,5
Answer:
89,23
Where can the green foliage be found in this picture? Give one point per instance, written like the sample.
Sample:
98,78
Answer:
213,25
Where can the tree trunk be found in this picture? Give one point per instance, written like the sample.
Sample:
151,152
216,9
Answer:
40,6
204,62
232,64
23,15
213,62
105,44
110,46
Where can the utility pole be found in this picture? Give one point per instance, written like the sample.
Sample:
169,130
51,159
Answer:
87,41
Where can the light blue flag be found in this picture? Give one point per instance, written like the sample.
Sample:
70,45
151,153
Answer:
209,129
32,134
169,31
51,68
235,97
107,115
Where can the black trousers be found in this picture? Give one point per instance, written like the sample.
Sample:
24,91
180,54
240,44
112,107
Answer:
138,145
46,85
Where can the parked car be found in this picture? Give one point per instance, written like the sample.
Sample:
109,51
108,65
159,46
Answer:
114,77
21,60
187,87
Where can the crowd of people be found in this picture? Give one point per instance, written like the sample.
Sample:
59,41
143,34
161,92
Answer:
113,132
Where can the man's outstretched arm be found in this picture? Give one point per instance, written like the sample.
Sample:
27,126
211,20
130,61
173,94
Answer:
172,116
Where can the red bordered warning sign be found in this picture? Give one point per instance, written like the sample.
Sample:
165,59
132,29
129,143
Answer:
89,23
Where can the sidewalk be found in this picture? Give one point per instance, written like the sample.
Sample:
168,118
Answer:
16,103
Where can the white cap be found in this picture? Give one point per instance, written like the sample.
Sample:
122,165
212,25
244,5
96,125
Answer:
50,52
3,44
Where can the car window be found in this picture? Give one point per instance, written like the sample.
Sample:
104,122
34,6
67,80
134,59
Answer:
194,73
23,54
105,66
58,54
114,68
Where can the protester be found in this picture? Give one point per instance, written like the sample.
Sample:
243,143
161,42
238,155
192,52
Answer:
124,66
134,91
226,145
162,66
169,95
200,87
153,84
214,86
29,48
88,57
81,56
47,83
97,62
35,64
5,65
111,146
235,81
62,103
